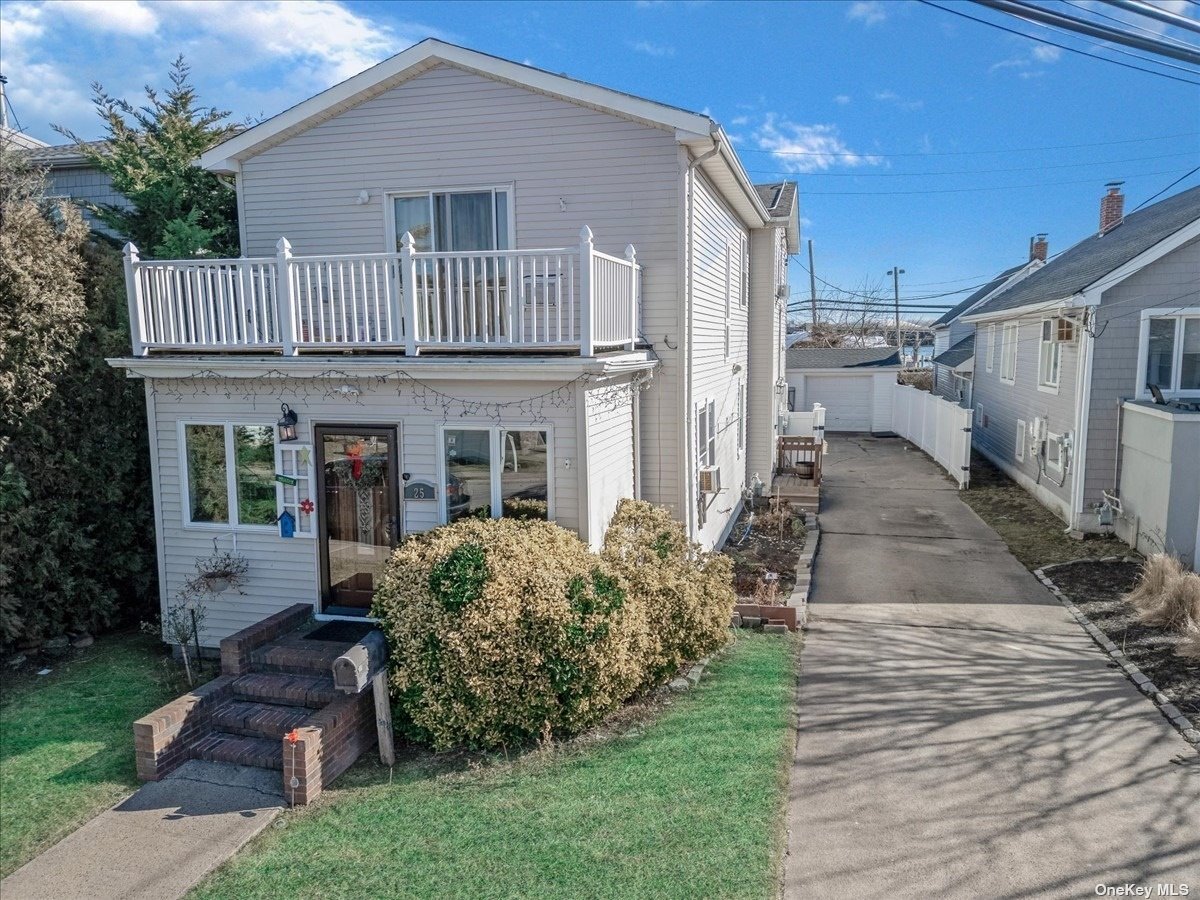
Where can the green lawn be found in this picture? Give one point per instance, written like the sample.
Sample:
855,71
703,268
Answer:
1036,536
66,740
686,804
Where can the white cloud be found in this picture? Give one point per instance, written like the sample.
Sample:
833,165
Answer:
1045,53
869,12
896,100
808,148
652,49
842,99
1027,63
111,16
739,120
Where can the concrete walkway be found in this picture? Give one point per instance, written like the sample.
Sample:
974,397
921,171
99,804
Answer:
160,842
960,735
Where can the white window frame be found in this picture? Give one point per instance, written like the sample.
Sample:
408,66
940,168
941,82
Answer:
980,416
496,454
1019,450
230,478
1045,384
991,347
1179,315
745,291
283,448
706,438
741,418
728,295
1056,464
392,240
1008,352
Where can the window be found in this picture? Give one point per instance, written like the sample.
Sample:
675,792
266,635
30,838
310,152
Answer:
1019,450
706,434
1170,350
454,220
1008,354
229,474
745,273
981,418
295,461
1049,354
791,399
728,293
496,471
991,347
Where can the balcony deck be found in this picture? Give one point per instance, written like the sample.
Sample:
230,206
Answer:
573,300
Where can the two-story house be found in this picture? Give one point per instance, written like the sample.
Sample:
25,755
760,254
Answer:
468,287
1087,376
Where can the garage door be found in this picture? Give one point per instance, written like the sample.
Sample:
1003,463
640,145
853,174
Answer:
846,398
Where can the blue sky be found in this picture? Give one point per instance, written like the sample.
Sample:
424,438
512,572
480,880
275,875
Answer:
919,138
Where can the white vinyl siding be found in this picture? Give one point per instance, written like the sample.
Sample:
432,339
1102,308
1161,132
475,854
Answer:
766,399
610,462
567,166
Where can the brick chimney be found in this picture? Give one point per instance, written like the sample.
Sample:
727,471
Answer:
1112,207
1038,248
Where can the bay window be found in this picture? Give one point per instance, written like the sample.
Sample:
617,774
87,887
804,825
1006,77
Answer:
495,471
1169,351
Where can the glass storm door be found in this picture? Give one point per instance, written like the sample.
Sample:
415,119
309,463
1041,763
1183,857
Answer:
356,468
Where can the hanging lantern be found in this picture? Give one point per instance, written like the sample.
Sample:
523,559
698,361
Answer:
287,423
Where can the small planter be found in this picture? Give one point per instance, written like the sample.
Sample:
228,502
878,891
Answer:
216,584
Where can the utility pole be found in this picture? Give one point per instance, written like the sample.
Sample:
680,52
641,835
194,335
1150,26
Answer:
812,290
896,272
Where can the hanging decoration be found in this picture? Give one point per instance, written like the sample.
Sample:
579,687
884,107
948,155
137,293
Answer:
361,470
287,524
307,507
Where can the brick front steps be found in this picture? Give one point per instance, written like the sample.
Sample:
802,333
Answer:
273,706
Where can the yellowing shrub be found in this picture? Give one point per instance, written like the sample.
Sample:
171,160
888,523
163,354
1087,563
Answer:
502,631
687,593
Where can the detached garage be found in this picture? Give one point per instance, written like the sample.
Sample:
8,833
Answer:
853,384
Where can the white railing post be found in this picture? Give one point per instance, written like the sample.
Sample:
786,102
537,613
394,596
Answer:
586,300
283,296
631,255
133,296
408,300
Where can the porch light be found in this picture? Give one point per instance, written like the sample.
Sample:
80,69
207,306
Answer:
287,423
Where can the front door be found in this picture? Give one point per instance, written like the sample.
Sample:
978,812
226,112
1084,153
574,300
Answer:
356,481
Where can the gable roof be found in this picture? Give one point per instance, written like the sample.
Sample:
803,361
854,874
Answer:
953,313
958,354
697,131
1083,265
64,156
779,198
842,357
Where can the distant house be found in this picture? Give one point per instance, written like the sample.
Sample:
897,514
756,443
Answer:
852,383
1087,376
954,339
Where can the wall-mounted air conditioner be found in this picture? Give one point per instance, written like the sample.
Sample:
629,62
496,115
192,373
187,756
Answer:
710,479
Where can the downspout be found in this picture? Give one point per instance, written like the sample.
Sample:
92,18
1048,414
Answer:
686,321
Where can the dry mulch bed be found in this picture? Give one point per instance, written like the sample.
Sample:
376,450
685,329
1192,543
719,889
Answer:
766,548
1097,589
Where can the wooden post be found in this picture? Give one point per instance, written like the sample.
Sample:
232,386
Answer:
586,347
631,255
133,296
283,296
408,299
383,718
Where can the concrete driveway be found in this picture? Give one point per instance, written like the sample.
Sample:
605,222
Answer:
959,734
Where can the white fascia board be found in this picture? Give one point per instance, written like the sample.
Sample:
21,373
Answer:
423,56
726,172
1028,269
1029,309
1093,292
447,367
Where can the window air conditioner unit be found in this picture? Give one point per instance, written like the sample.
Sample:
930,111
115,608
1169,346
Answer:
710,479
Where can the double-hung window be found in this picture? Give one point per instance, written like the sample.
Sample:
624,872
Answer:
990,352
1008,353
706,434
495,471
741,417
1049,354
229,474
463,220
1169,349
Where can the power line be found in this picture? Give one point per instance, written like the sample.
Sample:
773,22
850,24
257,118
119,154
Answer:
1067,47
1164,190
970,190
1075,165
1004,150
1134,25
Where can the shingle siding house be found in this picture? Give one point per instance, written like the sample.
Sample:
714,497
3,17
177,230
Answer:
482,289
1064,360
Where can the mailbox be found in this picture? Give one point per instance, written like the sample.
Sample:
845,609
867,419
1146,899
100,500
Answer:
354,669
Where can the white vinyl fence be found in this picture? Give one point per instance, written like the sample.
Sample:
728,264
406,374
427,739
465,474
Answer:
941,428
807,424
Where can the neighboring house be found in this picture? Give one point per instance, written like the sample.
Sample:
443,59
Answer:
1065,361
954,340
482,289
853,384
71,175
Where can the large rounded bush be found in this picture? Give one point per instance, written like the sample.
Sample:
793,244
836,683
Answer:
687,593
502,631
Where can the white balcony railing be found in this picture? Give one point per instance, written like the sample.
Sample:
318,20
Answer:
496,300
